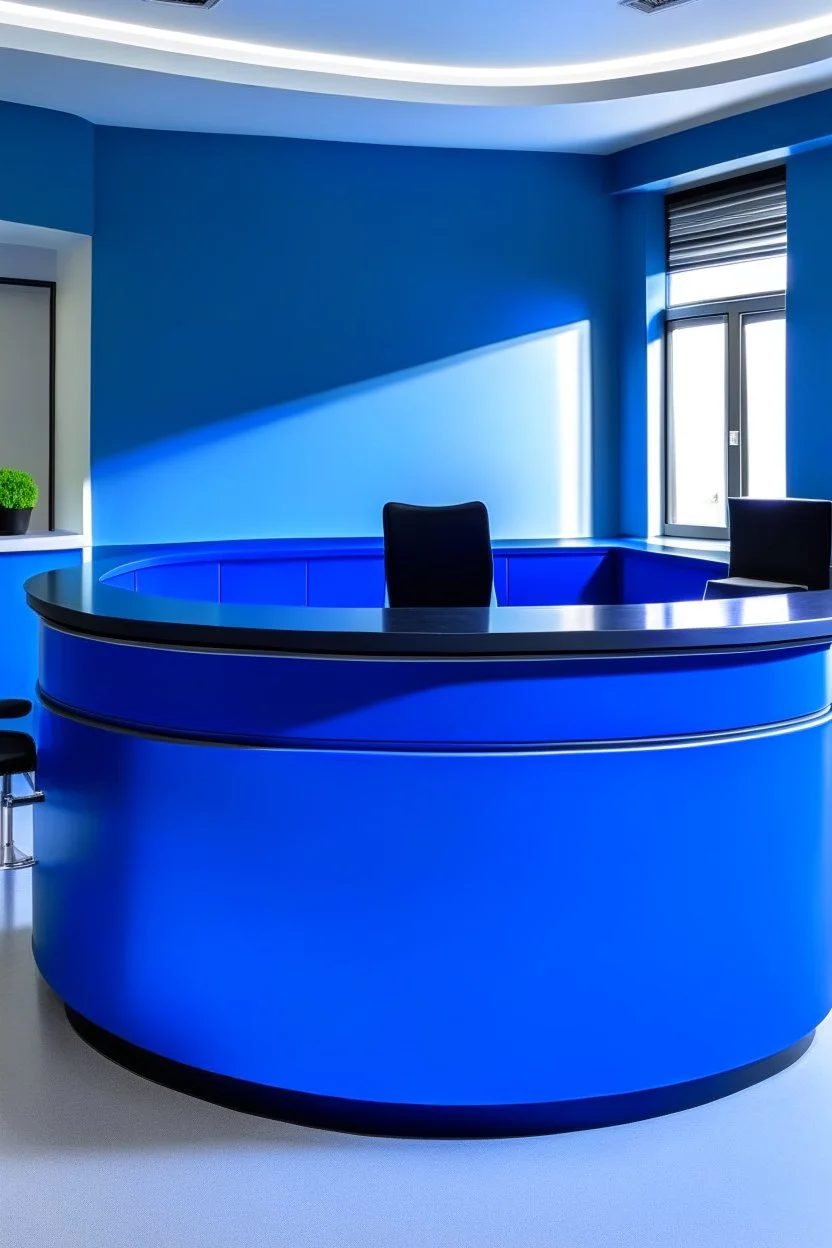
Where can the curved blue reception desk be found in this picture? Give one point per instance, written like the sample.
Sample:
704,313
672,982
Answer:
443,873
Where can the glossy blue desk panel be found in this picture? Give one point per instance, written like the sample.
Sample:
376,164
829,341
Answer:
568,577
342,580
272,581
435,872
439,929
459,704
644,577
198,581
355,582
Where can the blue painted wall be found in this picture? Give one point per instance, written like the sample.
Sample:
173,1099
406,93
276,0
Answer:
809,326
19,648
47,180
282,329
762,134
46,160
640,365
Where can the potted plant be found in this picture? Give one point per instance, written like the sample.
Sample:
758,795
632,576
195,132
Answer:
18,496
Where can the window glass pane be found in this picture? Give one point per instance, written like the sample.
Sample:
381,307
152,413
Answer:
25,344
727,281
764,353
697,422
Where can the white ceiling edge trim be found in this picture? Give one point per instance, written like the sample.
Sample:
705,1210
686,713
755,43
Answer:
81,36
20,234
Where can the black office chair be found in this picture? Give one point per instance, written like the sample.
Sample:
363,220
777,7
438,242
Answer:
778,546
438,556
18,757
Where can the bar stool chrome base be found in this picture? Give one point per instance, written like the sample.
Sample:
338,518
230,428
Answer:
11,858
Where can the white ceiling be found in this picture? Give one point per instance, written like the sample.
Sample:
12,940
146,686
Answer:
129,76
470,32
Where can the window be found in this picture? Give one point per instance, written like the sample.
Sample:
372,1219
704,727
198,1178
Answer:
725,422
27,417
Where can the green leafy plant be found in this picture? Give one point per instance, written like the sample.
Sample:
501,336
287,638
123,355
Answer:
18,490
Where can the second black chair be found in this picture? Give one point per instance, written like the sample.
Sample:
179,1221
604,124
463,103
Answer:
438,556
777,546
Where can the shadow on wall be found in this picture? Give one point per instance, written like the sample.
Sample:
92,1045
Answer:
231,273
510,424
236,275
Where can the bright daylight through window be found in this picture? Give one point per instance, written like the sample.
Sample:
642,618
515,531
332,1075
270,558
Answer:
725,433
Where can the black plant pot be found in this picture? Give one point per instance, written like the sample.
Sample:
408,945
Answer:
14,520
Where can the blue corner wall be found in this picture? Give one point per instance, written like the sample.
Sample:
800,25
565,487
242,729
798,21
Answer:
809,325
641,302
272,319
47,169
46,180
19,648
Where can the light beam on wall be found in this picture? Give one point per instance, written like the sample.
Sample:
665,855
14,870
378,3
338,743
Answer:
508,424
573,414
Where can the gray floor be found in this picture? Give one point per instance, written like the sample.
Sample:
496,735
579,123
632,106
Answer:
92,1157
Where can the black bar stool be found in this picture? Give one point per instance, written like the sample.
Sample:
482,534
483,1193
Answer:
18,757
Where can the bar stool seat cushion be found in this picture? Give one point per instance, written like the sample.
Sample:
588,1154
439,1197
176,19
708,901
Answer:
17,753
747,587
14,708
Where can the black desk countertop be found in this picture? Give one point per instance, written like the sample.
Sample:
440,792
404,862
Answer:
75,599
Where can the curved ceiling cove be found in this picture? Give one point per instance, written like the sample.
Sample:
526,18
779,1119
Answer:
226,58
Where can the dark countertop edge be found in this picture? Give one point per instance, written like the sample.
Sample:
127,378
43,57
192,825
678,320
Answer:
75,599
347,644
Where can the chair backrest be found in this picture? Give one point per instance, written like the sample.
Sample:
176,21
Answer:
785,539
438,556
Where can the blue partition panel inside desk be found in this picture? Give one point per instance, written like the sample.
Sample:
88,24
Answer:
559,575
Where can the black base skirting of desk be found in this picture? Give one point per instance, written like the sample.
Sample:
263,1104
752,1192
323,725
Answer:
429,1121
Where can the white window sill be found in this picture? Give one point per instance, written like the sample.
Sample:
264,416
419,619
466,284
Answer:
29,543
691,543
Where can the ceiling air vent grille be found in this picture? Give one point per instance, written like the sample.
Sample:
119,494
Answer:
194,4
651,6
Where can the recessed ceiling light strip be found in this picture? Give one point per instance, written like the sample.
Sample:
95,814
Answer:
87,28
